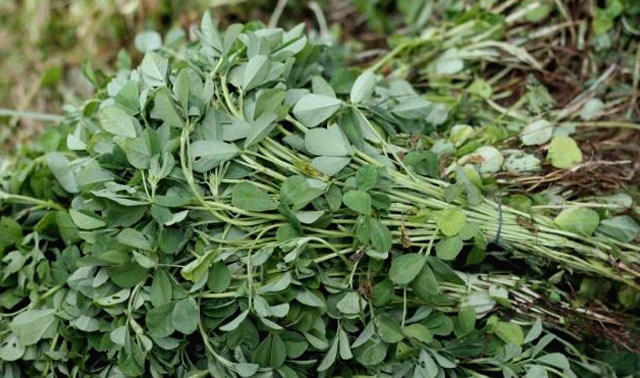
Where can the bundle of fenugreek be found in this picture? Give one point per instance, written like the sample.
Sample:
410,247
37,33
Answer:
235,207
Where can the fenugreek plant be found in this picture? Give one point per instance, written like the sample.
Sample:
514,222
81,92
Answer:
238,206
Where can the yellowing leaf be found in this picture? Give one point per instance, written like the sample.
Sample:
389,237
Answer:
564,152
450,221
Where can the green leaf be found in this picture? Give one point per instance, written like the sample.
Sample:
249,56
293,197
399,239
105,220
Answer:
320,86
260,128
113,299
11,349
296,191
138,150
466,321
534,332
379,235
245,369
208,154
271,352
154,68
33,325
425,285
329,357
444,271
536,133
450,221
161,290
509,332
185,316
412,108
280,284
327,142
578,220
158,321
419,332
488,158
389,329
366,177
313,109
308,298
449,63
219,278
371,353
127,275
621,227
351,304
330,165
10,232
521,162
135,239
194,270
148,41
564,152
344,347
62,170
164,108
233,324
439,324
84,221
363,87
255,72
592,109
308,217
358,201
405,268
117,121
557,360
427,367
67,229
249,197
536,371
449,248
382,293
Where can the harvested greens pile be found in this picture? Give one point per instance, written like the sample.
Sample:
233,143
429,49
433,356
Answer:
248,205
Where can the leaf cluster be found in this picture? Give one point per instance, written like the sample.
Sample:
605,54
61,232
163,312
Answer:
230,208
